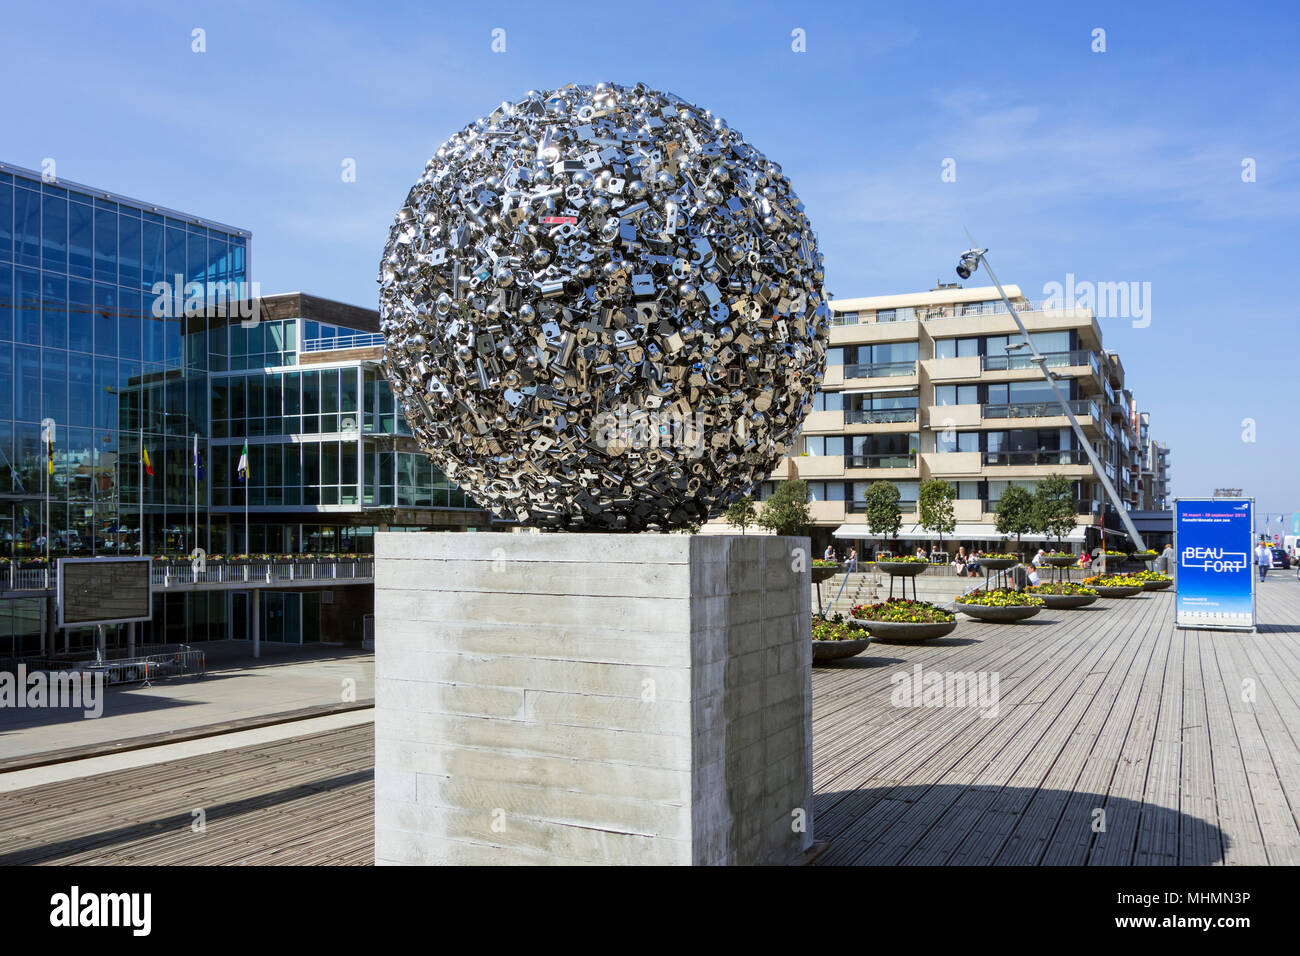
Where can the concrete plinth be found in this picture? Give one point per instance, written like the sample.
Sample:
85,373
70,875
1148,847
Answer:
588,698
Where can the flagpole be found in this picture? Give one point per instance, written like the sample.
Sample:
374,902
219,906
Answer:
140,469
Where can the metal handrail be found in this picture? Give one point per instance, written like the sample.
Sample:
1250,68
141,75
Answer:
843,584
356,341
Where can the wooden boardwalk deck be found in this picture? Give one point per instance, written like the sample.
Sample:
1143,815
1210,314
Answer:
1184,744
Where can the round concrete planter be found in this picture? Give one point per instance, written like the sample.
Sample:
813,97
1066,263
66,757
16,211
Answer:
1068,561
1000,615
835,650
901,569
905,632
997,564
1115,592
823,574
1064,602
1155,585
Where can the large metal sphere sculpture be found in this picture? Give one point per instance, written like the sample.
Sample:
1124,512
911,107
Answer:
603,310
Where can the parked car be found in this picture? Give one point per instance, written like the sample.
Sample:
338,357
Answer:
1281,559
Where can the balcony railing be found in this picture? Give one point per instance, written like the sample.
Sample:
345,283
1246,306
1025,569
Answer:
1015,361
879,416
880,370
855,507
359,341
880,461
1065,456
1081,406
171,574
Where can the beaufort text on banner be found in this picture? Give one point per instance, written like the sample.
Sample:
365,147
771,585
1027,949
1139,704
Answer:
1214,538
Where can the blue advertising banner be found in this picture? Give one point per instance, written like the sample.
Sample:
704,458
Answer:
1214,541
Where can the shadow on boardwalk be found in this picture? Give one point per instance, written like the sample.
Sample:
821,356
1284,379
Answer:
948,825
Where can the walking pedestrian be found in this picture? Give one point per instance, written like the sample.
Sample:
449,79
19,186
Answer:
1263,558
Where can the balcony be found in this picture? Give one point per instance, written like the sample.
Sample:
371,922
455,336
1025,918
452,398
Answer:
879,416
880,461
1067,456
1016,361
880,370
1081,406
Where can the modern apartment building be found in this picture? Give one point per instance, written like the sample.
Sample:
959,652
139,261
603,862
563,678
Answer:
932,385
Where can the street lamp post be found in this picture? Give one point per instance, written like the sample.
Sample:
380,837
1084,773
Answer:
969,262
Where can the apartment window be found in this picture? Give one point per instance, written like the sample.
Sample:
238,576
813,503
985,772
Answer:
956,395
822,401
819,445
956,348
835,356
948,441
825,491
1019,393
968,490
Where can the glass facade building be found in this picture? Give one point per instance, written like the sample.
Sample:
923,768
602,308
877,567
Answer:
99,336
82,345
95,336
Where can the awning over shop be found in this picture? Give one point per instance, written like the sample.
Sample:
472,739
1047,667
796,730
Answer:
963,532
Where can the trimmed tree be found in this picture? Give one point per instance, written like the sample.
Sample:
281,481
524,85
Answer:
1015,513
934,502
1054,507
786,512
883,515
742,514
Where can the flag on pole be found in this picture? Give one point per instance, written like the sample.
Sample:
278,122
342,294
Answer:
199,471
242,469
49,451
148,466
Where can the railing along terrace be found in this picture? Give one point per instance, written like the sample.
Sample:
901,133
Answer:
1081,406
880,370
879,416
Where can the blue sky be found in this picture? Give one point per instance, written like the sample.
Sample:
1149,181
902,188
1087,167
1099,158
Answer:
1117,166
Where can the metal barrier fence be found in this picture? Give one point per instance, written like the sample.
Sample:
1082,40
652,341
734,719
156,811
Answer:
143,668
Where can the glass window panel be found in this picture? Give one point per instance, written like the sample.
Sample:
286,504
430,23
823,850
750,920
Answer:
329,388
6,391
152,241
54,385
349,391
27,227
968,394
105,245
6,221
54,232
27,306
54,311
330,463
968,347
81,239
81,384
175,260
130,326
196,255
81,311
6,300
945,348
128,249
